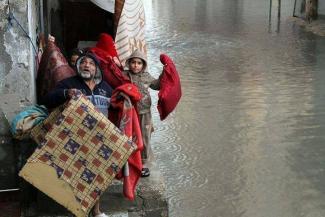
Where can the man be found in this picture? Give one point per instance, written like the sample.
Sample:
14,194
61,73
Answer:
89,81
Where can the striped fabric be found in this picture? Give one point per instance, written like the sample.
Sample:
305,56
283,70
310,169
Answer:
130,30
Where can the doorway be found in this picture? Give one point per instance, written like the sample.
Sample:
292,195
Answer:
71,21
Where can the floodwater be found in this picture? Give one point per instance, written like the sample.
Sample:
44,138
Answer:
248,136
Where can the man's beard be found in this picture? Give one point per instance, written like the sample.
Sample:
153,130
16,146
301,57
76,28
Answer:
86,75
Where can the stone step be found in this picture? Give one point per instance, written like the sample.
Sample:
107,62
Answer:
110,214
151,199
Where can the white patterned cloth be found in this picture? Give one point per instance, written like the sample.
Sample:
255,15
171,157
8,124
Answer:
130,30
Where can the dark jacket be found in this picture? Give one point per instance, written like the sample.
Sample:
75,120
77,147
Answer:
100,96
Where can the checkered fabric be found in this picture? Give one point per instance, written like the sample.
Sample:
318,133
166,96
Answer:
84,148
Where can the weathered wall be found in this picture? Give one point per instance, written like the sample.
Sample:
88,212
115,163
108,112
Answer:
17,76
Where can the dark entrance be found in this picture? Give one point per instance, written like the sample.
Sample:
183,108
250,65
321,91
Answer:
71,21
84,21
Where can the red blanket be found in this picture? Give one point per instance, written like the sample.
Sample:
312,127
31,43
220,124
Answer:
170,88
105,51
52,69
124,115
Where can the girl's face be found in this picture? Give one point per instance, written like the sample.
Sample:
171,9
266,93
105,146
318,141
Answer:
136,65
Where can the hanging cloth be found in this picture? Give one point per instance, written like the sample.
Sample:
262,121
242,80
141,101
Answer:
170,88
124,115
130,30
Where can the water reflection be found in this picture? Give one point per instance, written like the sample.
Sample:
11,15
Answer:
247,137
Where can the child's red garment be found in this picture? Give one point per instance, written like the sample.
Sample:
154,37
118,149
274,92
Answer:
124,115
170,87
52,69
105,51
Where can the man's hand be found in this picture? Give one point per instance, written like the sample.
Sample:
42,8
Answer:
51,38
117,62
71,92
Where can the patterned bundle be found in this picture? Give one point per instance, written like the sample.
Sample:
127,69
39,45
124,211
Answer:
79,153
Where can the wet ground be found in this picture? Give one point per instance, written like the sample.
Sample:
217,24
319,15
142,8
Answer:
317,26
247,138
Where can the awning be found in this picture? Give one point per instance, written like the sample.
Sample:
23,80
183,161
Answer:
107,5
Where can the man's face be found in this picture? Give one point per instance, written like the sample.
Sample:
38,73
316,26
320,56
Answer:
136,65
87,68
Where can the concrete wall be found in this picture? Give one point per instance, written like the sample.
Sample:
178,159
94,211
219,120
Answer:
17,76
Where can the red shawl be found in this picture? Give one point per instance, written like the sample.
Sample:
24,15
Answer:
52,69
105,51
170,87
123,114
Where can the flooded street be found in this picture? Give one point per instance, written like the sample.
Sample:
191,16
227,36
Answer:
248,136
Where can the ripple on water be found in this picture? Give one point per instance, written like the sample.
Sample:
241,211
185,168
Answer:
246,94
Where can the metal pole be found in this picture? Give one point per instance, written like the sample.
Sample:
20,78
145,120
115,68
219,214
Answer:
294,9
279,8
279,16
270,16
42,16
270,11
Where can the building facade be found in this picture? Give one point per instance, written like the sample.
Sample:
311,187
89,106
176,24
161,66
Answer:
19,28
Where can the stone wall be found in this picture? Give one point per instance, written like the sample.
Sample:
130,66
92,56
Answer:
17,76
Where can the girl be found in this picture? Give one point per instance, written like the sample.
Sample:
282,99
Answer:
138,75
